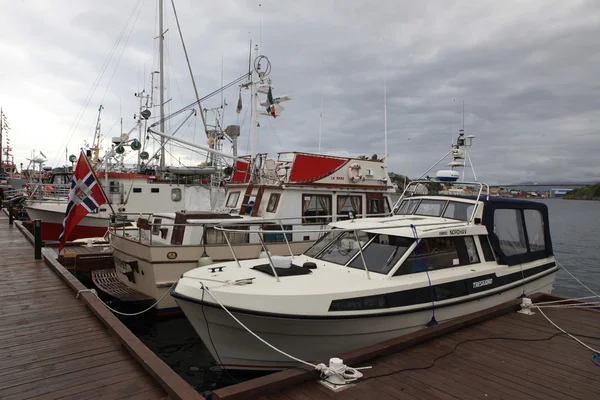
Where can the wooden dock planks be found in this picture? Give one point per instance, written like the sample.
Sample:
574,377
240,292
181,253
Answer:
53,345
546,366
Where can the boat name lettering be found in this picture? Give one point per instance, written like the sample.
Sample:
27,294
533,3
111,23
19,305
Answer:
337,178
458,231
444,233
485,282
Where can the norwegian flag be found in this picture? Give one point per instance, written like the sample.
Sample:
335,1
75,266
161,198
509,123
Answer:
85,196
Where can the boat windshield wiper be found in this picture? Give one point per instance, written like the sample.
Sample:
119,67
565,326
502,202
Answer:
389,260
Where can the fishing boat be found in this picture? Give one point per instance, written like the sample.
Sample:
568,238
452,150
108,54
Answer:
440,256
297,193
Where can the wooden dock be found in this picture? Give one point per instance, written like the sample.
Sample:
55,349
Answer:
461,359
54,345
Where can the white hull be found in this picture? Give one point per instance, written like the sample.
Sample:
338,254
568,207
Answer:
320,339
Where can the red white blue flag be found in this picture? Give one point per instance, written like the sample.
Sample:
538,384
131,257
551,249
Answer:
85,196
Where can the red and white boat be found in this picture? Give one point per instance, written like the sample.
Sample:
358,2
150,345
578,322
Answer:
127,193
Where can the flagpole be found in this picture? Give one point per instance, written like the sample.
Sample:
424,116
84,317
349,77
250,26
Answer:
98,181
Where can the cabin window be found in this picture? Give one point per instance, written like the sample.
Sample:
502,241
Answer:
508,227
214,236
488,254
232,199
156,226
458,210
374,205
344,247
407,207
277,237
175,194
347,204
382,254
154,190
430,208
316,209
321,243
273,202
439,253
534,224
137,190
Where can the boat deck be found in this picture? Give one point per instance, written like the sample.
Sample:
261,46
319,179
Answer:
54,345
496,354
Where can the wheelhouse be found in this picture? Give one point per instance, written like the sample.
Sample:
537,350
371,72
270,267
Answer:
435,233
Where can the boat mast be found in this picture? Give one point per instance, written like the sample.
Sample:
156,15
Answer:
254,79
161,87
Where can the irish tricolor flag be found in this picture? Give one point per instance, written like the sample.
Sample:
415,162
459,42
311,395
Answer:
271,107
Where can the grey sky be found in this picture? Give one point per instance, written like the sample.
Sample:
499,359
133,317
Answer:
527,71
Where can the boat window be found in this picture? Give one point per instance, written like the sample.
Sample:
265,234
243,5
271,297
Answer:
316,208
374,206
534,224
344,247
439,253
431,208
137,190
407,206
321,243
214,236
154,190
232,199
459,210
176,194
156,226
273,202
347,204
382,254
508,227
277,237
488,254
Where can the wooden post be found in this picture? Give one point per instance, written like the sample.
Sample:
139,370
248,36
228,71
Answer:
37,236
10,214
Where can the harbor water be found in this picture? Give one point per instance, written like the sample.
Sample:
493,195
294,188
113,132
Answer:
573,226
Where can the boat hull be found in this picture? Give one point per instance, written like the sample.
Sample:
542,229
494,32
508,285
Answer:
52,220
320,338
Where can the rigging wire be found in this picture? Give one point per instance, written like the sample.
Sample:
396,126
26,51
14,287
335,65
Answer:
88,98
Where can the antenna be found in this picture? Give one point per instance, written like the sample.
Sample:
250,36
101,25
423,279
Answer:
385,140
463,116
320,123
260,27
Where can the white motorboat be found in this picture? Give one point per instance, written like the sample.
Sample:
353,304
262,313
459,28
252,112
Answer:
367,280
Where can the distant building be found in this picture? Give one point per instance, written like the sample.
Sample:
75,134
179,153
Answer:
559,192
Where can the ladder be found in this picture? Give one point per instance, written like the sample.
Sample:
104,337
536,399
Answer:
248,197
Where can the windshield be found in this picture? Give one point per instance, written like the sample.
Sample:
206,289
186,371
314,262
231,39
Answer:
344,247
321,243
382,253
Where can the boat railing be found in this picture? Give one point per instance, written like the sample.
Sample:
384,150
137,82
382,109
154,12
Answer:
144,223
412,189
332,230
48,191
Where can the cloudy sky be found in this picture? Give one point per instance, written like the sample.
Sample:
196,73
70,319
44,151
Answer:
527,72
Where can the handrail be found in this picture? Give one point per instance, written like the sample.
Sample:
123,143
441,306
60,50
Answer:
481,186
333,229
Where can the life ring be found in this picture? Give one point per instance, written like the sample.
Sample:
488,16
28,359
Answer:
354,173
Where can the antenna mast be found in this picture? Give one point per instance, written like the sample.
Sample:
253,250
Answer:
320,123
161,86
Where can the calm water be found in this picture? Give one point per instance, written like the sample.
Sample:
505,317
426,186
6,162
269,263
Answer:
574,230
